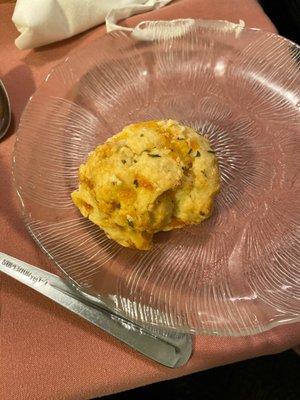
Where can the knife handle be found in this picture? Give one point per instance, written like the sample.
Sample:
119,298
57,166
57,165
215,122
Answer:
167,347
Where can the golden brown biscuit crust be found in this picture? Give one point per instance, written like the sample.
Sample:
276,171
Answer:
152,176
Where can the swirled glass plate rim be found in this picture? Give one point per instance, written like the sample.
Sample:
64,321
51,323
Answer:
189,329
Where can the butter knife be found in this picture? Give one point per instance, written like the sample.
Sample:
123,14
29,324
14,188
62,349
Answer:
167,347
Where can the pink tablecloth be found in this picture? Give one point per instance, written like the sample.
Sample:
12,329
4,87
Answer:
45,351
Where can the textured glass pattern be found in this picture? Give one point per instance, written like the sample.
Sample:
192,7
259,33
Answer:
238,272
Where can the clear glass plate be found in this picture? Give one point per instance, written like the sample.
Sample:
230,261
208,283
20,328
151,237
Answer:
238,272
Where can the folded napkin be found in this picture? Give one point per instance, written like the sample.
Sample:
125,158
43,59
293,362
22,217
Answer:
48,21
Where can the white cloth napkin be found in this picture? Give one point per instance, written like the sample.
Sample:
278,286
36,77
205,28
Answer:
46,21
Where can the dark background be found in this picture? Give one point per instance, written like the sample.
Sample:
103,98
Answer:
285,15
265,378
274,377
